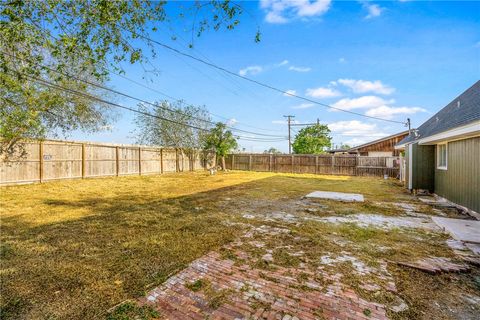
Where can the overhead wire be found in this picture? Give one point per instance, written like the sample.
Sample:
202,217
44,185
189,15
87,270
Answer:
256,81
144,101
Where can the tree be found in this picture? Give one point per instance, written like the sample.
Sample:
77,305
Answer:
44,43
272,150
171,133
344,146
312,140
221,141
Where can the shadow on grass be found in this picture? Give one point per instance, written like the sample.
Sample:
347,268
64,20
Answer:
125,244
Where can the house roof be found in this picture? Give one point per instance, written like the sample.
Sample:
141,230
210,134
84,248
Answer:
337,150
462,110
377,141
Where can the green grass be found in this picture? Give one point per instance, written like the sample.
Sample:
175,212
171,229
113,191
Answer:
74,249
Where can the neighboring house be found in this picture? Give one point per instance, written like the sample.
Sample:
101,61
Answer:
337,151
443,154
384,147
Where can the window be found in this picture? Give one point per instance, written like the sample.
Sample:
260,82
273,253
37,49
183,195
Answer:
442,156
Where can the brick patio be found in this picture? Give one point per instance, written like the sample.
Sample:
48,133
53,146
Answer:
255,293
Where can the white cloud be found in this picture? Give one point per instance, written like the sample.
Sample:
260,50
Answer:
322,92
358,131
353,127
342,60
304,106
283,63
386,112
374,10
299,69
282,11
365,102
289,92
250,70
275,17
363,86
231,122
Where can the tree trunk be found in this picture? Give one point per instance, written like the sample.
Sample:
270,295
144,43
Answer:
223,163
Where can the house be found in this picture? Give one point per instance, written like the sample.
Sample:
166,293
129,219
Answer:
337,151
443,154
384,147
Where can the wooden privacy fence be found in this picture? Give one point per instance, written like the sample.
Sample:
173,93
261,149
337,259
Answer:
351,165
54,160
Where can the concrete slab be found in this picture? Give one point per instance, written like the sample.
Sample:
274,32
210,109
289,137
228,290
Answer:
460,229
340,196
474,247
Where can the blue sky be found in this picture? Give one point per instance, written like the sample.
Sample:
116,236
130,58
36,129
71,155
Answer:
391,60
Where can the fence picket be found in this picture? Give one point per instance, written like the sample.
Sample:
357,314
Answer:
318,164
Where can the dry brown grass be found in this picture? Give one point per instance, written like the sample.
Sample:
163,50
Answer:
74,249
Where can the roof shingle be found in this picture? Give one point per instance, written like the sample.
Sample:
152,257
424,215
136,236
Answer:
461,111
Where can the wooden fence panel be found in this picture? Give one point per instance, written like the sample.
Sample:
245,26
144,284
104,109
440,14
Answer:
128,161
23,170
260,163
169,160
241,162
53,160
350,165
325,165
304,164
283,163
100,161
345,165
151,161
61,161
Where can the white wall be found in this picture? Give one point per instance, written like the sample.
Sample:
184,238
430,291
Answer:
380,153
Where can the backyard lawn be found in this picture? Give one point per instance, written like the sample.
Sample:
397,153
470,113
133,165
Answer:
78,249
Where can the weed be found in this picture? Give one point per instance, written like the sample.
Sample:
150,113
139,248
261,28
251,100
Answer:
130,310
196,285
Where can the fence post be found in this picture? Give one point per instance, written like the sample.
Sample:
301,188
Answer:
270,157
161,160
41,161
117,160
233,162
177,165
333,165
274,163
250,163
83,160
316,164
293,160
356,166
139,161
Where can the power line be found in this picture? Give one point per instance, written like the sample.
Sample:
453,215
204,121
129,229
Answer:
255,81
184,102
78,93
141,100
52,85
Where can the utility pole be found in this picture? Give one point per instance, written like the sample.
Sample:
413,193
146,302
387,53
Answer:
289,120
318,121
408,124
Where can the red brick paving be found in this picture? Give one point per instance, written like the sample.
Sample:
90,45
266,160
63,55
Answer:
251,296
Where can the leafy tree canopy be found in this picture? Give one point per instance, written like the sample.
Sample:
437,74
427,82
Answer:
344,146
221,141
272,150
169,133
312,140
52,40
